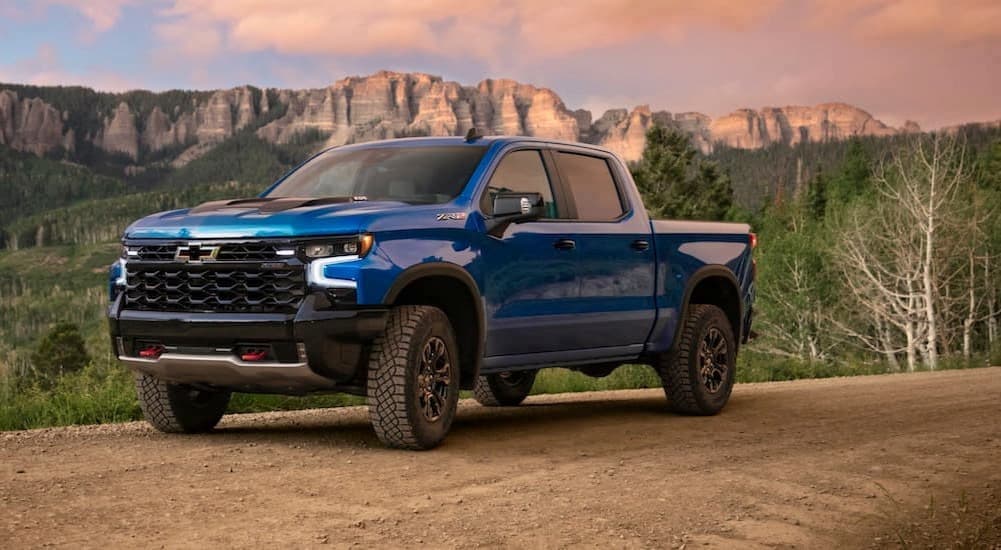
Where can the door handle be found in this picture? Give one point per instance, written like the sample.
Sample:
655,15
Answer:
640,245
565,244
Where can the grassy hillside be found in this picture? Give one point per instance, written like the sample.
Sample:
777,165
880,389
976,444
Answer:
29,185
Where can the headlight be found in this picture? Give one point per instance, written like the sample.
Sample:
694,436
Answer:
117,279
349,247
325,253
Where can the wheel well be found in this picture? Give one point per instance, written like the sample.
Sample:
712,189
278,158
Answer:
452,296
720,292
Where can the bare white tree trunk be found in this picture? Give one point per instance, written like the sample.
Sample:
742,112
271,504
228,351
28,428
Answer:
926,273
897,258
886,339
992,315
912,344
971,311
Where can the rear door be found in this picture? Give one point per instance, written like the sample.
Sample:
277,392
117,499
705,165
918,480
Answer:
615,253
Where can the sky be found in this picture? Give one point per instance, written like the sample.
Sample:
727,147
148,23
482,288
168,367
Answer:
937,62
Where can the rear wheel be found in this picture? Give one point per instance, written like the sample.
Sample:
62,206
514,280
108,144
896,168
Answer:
178,408
698,375
413,378
504,389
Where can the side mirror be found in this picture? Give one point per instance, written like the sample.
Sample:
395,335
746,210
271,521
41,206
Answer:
512,207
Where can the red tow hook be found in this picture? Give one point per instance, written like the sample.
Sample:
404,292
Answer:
151,352
255,355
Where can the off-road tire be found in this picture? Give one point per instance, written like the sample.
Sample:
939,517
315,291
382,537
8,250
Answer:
681,371
394,402
503,389
177,408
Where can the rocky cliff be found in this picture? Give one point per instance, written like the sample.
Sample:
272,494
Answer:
388,104
30,124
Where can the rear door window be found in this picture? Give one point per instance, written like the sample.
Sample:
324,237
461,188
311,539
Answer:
592,186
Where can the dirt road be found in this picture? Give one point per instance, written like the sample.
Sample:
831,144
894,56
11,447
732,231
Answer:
858,462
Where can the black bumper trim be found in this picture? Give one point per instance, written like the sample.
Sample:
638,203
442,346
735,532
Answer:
336,340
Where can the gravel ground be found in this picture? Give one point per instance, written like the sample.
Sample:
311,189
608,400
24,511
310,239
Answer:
850,462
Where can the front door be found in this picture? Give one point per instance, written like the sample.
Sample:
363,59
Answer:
530,272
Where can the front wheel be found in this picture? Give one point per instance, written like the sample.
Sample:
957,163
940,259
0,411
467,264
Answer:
698,375
178,408
413,378
504,389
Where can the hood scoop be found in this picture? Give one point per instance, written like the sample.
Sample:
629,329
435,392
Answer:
267,205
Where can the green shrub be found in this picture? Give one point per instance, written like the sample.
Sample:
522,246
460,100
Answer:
758,367
61,351
96,394
625,377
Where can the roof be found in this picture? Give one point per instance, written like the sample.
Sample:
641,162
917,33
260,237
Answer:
459,140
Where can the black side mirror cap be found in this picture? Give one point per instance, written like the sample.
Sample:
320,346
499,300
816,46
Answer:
512,207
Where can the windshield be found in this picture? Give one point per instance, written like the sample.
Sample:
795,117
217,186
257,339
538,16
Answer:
409,174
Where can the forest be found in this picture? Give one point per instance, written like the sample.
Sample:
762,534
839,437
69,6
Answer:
876,255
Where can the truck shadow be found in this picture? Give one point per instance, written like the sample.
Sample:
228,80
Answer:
585,420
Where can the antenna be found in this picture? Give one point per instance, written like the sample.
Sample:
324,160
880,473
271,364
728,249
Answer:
473,134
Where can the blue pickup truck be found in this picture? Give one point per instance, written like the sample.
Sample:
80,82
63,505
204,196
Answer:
408,270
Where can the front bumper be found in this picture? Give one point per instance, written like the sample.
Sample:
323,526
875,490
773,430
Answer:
319,348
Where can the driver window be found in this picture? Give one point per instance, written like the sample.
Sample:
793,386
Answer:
521,172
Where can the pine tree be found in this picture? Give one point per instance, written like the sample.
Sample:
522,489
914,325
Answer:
990,177
676,182
816,195
854,177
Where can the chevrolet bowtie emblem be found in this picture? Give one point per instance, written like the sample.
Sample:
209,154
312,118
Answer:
195,253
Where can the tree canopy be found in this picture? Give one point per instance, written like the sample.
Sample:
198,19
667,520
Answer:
677,182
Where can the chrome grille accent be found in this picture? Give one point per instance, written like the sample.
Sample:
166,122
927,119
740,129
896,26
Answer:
228,252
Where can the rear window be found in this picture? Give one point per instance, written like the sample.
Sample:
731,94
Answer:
408,174
592,186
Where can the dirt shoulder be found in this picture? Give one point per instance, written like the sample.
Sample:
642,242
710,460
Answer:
818,463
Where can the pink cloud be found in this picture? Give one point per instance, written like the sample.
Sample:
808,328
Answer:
949,21
44,68
486,29
194,38
103,14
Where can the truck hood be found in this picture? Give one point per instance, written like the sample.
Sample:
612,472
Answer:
263,217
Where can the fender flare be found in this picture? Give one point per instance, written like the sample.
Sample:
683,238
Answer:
701,274
454,271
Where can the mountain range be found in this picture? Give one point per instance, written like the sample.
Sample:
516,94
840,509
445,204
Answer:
141,128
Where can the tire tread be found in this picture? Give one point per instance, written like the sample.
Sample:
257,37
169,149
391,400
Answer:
388,370
680,383
165,408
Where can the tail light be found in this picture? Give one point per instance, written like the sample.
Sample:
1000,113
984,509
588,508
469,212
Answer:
754,240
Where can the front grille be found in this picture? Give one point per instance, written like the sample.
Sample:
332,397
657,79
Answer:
157,253
228,252
209,289
248,252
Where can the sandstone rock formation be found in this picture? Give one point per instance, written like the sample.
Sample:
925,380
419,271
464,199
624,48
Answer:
749,129
390,104
119,134
30,124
